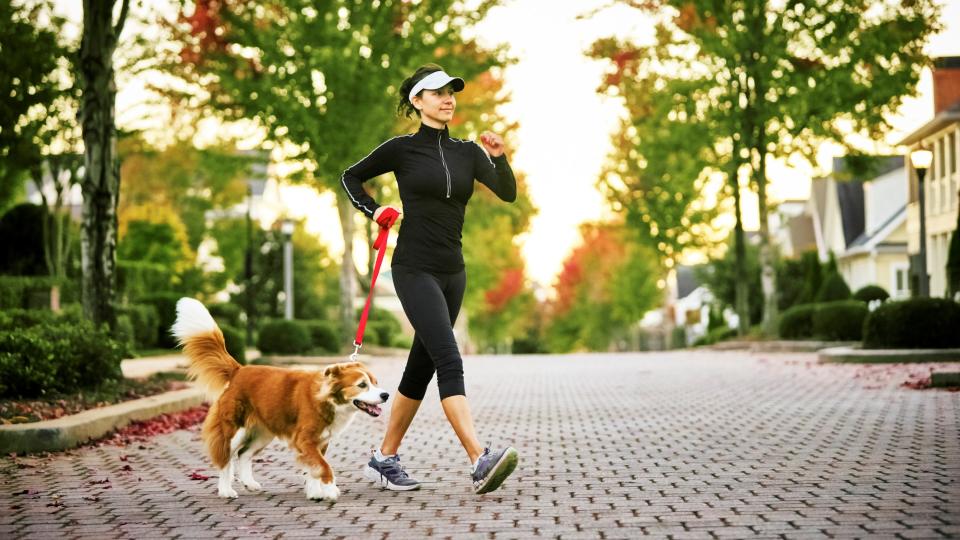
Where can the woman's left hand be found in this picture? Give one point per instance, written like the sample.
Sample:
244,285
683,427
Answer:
492,143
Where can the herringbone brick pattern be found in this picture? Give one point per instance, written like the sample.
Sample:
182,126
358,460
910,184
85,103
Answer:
679,445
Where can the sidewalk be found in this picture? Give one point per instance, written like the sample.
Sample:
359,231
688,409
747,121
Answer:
682,445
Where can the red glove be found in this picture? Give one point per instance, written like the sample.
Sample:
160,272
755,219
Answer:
388,217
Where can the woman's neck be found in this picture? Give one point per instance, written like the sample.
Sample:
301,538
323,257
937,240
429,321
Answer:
430,122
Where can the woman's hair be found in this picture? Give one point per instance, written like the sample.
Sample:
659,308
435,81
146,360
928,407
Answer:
405,108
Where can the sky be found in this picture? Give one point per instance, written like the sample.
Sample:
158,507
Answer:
564,124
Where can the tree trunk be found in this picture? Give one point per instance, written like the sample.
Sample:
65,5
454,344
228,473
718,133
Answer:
768,275
347,270
741,289
101,183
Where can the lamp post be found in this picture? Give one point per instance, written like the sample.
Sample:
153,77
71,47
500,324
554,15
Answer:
921,159
287,229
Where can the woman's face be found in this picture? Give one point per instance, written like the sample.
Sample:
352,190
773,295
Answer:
436,106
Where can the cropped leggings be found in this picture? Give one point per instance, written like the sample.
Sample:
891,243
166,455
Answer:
431,303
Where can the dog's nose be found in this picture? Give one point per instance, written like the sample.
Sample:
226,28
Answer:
384,396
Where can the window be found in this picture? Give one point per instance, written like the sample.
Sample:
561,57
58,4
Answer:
952,152
901,285
941,159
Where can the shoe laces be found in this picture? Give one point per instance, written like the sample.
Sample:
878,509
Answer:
392,466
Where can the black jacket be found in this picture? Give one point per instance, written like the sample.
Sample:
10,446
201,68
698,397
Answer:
435,175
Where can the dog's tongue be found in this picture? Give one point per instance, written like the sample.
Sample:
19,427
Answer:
374,409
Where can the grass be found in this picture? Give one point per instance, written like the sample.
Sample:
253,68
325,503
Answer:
56,405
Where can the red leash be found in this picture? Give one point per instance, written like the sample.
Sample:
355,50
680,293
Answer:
381,246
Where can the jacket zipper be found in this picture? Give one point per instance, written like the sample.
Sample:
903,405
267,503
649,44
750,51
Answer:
445,169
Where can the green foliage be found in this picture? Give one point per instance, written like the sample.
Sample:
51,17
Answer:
796,322
953,262
165,303
869,293
841,320
29,39
833,288
716,335
157,243
234,339
34,292
226,313
57,356
145,321
382,327
136,279
316,288
123,332
21,251
720,277
324,335
916,323
281,336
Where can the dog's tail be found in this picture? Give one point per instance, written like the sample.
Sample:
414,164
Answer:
210,363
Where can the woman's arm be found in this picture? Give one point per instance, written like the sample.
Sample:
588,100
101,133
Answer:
380,161
495,172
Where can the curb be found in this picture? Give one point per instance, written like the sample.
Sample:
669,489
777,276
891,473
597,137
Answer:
76,429
850,355
778,345
945,378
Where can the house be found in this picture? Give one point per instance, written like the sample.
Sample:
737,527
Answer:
941,135
792,228
859,215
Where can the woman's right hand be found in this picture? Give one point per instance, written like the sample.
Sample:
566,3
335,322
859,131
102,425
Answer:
386,216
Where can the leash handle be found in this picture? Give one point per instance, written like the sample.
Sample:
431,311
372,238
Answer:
381,246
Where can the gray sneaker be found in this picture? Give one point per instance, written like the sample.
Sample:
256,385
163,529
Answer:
390,474
493,468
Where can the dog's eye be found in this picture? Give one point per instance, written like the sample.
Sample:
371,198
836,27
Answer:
362,385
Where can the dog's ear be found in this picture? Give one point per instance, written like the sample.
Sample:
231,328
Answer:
332,371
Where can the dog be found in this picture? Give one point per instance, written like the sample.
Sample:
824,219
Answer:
253,405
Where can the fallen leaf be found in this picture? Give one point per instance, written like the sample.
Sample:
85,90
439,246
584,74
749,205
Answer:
197,476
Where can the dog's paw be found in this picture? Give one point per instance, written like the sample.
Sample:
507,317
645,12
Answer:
252,485
227,493
318,491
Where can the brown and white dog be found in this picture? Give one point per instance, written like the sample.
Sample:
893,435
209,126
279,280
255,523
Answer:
252,405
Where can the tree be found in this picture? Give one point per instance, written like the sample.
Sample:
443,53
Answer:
30,86
101,180
312,73
796,75
606,285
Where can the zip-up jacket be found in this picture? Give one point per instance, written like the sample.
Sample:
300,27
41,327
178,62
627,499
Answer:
435,175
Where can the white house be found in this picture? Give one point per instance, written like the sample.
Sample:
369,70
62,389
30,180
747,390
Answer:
941,135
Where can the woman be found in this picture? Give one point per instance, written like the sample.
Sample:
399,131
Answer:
435,175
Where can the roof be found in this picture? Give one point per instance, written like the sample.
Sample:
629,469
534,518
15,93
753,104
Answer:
867,242
852,215
950,115
687,281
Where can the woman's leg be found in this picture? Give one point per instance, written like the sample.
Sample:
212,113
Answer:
401,415
432,305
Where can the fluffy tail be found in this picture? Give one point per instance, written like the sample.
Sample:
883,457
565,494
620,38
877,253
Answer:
210,363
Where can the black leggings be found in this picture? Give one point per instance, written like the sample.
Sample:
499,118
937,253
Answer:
431,303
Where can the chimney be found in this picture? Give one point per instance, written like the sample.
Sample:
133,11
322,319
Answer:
946,83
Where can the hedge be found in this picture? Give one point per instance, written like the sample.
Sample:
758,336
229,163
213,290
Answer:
324,335
59,356
281,336
869,293
839,321
916,323
797,322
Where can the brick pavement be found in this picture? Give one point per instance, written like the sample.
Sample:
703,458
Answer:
679,445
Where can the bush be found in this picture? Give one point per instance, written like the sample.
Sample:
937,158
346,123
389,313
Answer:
917,323
323,335
281,336
869,293
166,305
382,327
797,322
716,335
57,356
833,288
145,323
34,292
235,341
124,334
226,313
839,321
137,279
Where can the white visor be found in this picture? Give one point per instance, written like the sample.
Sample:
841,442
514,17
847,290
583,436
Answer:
437,79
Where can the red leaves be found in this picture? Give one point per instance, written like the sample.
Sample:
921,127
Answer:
165,423
197,476
510,285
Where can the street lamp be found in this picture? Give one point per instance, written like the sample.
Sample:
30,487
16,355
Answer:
287,229
921,159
